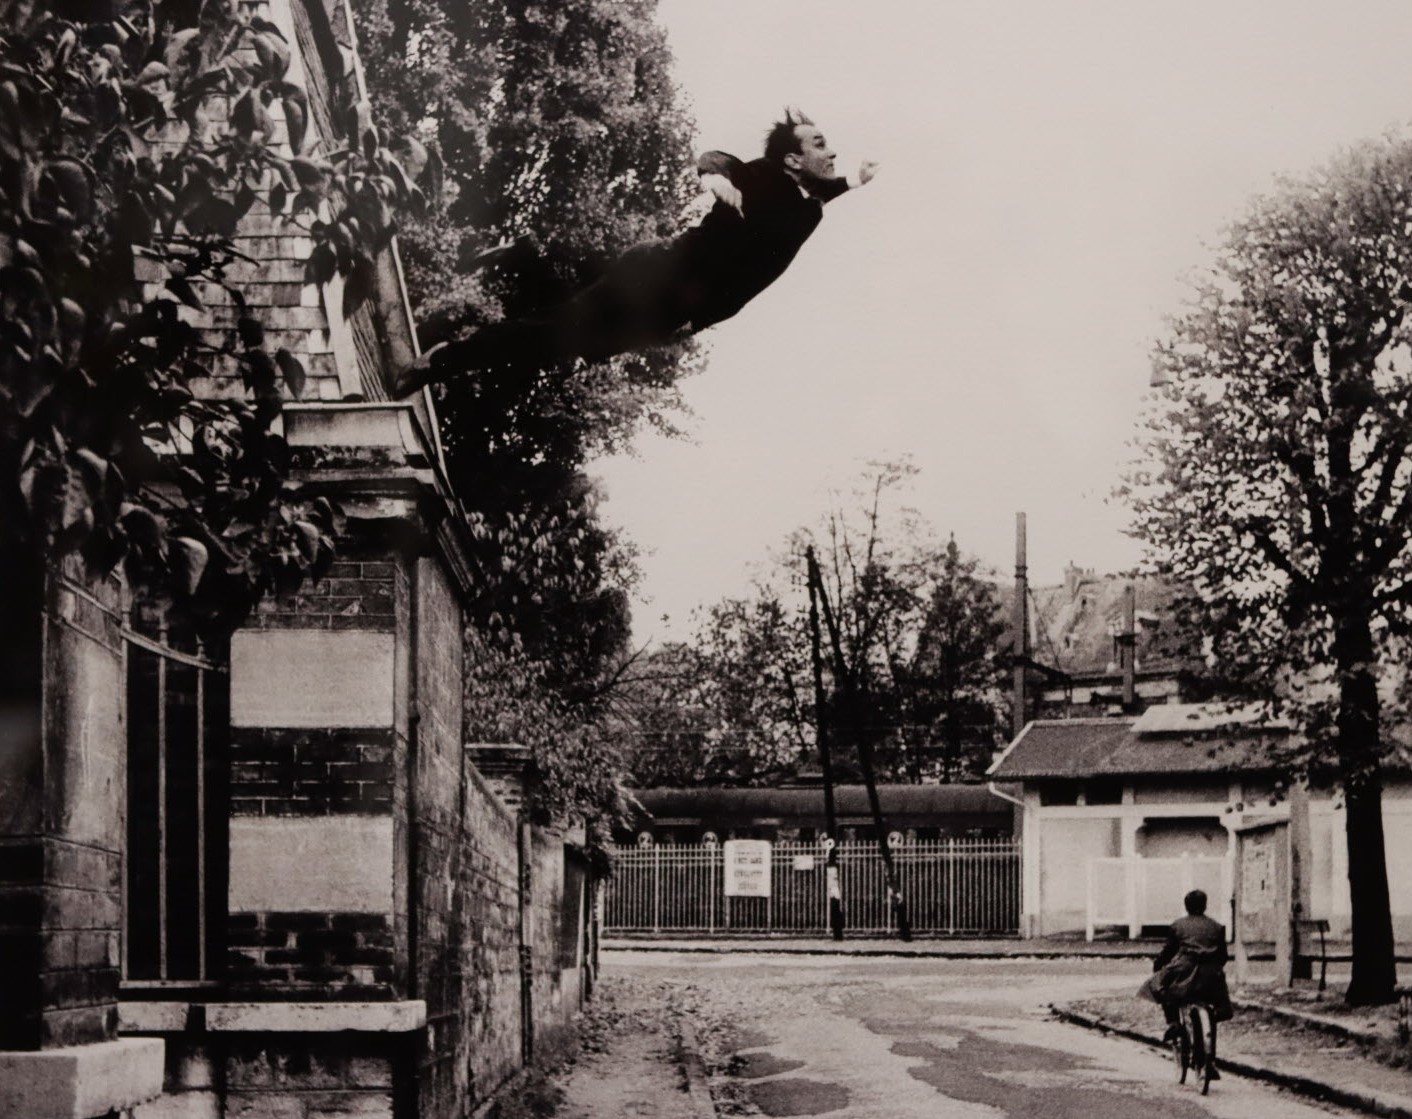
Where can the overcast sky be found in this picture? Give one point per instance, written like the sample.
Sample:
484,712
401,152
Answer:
1050,171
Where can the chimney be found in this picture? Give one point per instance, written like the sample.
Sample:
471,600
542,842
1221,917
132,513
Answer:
1022,625
1127,647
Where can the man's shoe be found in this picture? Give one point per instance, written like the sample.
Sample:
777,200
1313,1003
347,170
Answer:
1215,1073
1174,1031
415,376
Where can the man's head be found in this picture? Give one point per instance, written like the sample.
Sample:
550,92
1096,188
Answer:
798,146
1195,902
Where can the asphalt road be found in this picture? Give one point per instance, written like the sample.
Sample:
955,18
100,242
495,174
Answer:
888,1038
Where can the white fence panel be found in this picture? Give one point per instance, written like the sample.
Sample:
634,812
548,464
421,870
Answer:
1134,891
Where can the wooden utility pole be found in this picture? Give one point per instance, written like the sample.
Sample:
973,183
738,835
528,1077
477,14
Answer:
833,881
865,756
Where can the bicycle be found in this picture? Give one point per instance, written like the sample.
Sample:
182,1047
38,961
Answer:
1194,1045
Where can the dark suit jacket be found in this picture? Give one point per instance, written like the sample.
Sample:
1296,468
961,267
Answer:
729,258
1191,966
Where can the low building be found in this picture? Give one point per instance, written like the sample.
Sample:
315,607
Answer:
918,812
1122,814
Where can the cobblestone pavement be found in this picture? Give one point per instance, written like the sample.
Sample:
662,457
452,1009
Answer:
889,1038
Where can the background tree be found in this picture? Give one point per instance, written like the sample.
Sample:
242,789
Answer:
1275,480
560,131
556,130
953,684
917,628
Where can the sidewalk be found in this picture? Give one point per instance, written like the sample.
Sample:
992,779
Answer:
948,948
636,1057
1318,1048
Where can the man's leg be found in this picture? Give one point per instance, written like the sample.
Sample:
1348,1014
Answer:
630,307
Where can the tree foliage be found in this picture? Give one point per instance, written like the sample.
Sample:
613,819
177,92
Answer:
918,628
557,128
1275,480
134,137
559,139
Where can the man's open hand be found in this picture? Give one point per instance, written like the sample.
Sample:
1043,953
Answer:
725,191
866,170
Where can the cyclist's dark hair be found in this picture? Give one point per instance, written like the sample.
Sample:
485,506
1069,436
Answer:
781,140
1195,902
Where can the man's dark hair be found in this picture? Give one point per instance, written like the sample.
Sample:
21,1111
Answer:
1195,902
781,140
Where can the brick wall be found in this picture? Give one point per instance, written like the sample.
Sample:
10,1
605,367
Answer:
489,898
311,772
346,951
359,592
439,923
331,927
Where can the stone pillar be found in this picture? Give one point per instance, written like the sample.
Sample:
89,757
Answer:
505,767
317,712
63,781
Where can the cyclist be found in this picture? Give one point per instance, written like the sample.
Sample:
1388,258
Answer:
1190,967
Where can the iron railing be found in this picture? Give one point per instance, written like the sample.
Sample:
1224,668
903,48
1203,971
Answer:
174,881
952,887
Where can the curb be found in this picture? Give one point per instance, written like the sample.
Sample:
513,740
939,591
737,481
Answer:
893,953
1312,1021
693,1068
1305,1086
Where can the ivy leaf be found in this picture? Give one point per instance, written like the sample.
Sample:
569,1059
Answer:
321,265
242,115
312,176
278,197
296,117
181,287
273,53
357,285
187,559
307,539
294,375
258,371
251,331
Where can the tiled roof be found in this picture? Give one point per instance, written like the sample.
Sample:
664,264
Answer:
1075,748
850,800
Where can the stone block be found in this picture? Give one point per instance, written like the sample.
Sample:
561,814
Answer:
351,1105
311,678
316,1017
181,1105
325,864
80,1082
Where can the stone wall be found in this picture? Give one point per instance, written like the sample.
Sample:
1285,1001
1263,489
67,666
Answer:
61,814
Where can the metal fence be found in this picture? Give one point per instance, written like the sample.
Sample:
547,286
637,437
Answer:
951,886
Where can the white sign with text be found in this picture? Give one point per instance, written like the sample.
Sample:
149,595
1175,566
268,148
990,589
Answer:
747,868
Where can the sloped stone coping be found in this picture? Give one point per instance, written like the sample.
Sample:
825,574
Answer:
273,1017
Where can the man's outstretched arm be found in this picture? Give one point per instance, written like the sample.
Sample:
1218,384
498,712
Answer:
718,171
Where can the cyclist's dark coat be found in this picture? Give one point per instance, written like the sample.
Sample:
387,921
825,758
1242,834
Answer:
1191,967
